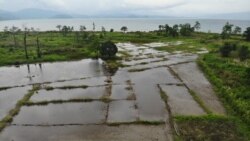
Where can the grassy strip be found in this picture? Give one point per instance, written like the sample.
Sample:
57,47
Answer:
234,100
140,122
209,127
138,70
43,103
4,88
48,88
200,102
8,119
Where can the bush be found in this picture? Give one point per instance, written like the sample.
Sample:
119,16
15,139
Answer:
227,48
243,53
247,34
108,49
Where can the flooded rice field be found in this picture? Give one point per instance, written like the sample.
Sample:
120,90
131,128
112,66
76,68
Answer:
78,101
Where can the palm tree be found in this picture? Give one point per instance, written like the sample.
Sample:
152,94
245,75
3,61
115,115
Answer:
59,27
82,28
124,29
197,25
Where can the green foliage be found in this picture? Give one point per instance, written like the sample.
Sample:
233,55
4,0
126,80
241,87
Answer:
227,48
186,29
210,128
227,31
247,34
231,83
243,53
124,29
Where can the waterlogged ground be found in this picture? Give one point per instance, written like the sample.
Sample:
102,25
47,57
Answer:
79,101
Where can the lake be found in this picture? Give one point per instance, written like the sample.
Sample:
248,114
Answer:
133,24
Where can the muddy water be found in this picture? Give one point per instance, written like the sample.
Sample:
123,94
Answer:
9,98
68,94
85,133
180,101
49,72
61,114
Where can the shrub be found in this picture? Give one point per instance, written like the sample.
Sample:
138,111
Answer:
243,53
227,48
108,49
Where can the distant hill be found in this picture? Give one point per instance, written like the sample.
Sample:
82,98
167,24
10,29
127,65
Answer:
61,16
230,16
4,15
35,14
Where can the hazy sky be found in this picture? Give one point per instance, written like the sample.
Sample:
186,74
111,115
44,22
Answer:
143,7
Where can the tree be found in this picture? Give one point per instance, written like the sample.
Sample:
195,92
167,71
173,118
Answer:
237,30
243,53
186,29
93,26
111,30
38,48
108,49
227,31
103,30
59,27
174,31
124,29
167,29
82,28
197,25
161,27
65,30
25,44
247,34
13,31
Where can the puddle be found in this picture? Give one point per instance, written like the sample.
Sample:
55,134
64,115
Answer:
68,94
122,111
85,133
150,105
9,98
180,101
120,92
196,81
120,77
61,114
94,81
50,72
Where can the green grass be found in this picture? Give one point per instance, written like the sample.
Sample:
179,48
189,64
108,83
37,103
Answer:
210,128
200,102
231,83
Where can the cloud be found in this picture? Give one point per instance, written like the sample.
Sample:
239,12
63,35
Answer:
160,7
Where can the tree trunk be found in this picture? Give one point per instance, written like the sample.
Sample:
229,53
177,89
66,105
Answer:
25,46
38,48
